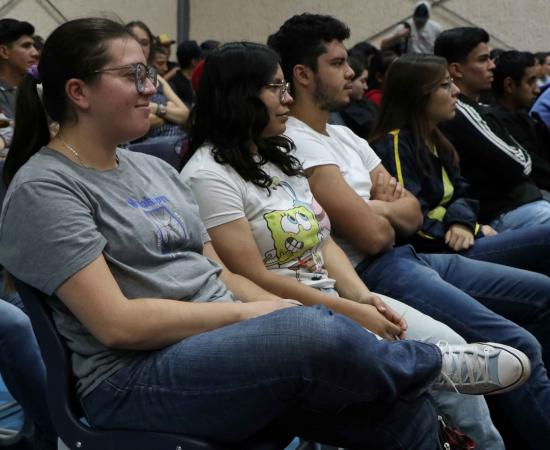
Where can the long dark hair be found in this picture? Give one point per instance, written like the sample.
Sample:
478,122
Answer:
409,83
74,50
230,116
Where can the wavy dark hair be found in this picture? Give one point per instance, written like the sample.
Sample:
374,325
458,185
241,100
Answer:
229,114
410,81
74,50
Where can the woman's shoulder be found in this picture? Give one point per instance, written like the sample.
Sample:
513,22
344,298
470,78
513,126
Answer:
46,165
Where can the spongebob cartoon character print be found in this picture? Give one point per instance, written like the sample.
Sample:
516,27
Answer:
296,234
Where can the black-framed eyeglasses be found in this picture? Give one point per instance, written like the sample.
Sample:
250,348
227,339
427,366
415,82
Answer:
283,88
140,71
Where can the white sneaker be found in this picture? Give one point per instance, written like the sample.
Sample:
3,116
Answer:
484,368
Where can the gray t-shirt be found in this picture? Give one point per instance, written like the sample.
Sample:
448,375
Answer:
58,217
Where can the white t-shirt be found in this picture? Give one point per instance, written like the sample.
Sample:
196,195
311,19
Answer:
343,148
289,226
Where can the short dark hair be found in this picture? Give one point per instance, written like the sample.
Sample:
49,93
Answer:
541,56
209,45
302,38
12,29
455,44
356,65
511,64
363,50
186,52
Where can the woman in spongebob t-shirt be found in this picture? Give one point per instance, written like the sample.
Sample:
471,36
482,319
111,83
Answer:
264,222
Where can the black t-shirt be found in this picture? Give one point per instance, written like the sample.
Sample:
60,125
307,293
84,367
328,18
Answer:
183,88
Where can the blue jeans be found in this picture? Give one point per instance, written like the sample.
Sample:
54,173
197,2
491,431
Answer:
480,301
22,367
304,371
534,213
524,248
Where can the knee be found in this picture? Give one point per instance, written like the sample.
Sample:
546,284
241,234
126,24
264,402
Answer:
14,323
526,342
317,332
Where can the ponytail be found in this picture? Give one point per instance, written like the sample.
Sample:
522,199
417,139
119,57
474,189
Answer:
76,49
31,128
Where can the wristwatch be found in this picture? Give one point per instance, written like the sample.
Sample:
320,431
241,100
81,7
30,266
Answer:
161,110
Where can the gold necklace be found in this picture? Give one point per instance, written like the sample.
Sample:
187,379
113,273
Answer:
73,151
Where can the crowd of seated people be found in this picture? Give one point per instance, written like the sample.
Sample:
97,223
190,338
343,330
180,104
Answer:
346,283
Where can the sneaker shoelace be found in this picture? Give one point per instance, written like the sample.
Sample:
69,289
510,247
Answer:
477,369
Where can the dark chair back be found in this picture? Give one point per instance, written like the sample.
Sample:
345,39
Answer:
2,185
63,403
164,151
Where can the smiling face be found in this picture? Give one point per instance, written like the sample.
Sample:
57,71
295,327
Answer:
115,105
276,105
333,85
442,102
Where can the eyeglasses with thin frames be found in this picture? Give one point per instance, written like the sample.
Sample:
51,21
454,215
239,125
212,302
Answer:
141,73
283,88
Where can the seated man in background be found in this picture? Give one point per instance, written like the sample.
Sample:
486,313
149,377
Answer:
368,210
17,54
189,55
497,167
515,88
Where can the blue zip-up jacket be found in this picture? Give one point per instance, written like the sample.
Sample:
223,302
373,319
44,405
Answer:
442,194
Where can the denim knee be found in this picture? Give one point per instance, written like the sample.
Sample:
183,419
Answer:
14,323
526,342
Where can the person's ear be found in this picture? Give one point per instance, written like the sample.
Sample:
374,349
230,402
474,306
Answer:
302,75
456,71
78,93
508,85
4,51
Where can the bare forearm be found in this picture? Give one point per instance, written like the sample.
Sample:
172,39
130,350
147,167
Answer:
404,214
148,324
245,290
339,267
176,113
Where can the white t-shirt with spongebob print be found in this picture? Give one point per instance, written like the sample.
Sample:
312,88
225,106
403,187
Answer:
289,226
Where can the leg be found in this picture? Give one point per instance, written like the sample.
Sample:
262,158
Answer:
296,361
518,295
22,367
530,214
469,412
404,275
525,248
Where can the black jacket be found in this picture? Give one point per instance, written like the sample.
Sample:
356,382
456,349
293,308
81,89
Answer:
533,135
494,163
442,193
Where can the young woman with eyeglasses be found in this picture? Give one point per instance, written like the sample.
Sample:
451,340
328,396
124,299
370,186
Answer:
419,95
163,336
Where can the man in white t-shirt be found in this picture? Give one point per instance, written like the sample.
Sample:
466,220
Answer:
368,210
